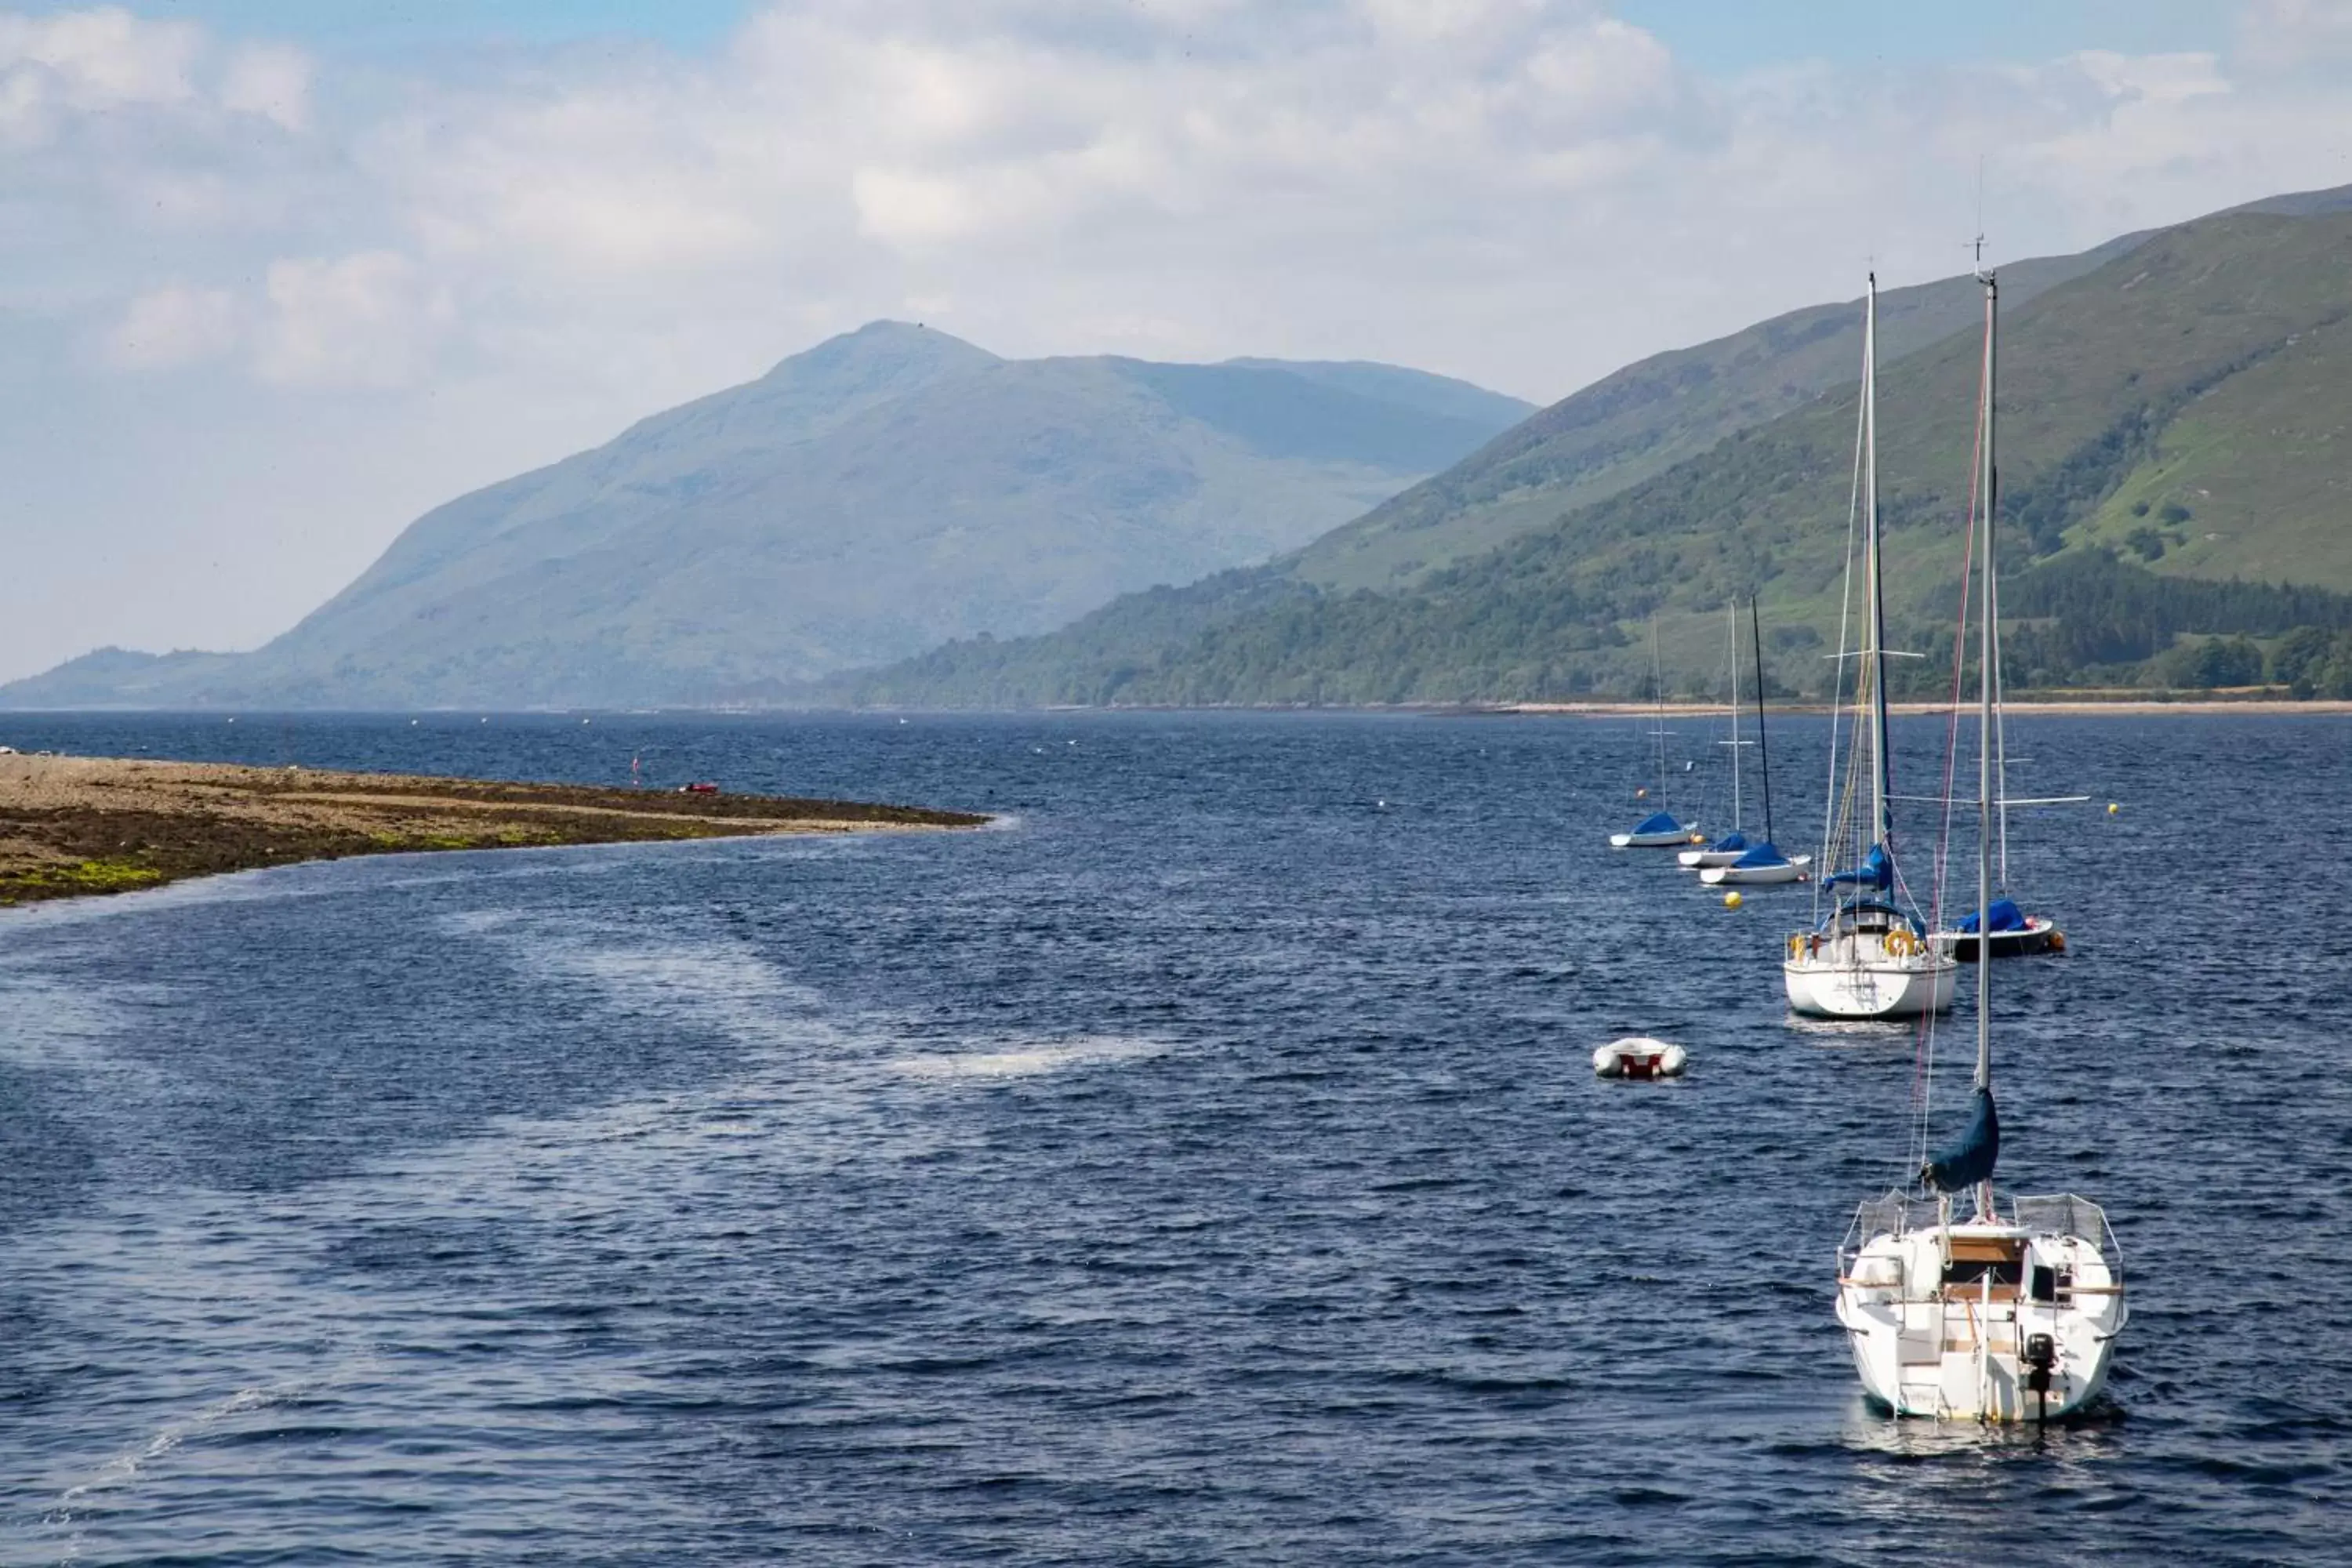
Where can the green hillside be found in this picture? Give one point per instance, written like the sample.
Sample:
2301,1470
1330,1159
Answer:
2176,413
1641,421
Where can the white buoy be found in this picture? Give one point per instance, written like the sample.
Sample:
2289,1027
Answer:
1638,1056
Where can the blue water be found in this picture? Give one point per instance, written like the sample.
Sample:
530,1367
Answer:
1205,1165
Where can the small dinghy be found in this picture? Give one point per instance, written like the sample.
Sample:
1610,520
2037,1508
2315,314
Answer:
1638,1056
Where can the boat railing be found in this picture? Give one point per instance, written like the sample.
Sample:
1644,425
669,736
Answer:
2068,1215
2063,1213
1897,1214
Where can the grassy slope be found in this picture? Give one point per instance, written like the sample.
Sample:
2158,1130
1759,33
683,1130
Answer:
2205,359
2263,463
1641,421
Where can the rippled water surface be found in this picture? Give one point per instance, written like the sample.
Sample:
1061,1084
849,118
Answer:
1206,1164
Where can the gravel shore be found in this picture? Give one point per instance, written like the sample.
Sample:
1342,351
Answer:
72,826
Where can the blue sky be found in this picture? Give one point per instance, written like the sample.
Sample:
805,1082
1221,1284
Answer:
278,275
363,27
1713,34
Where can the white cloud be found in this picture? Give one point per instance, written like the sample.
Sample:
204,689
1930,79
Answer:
364,321
271,80
100,58
2295,34
172,326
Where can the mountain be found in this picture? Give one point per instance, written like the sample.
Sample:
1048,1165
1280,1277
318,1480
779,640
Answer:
883,492
2175,416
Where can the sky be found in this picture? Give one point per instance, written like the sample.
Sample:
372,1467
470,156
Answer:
278,275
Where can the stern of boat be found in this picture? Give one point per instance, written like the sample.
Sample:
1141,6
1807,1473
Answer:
1998,1320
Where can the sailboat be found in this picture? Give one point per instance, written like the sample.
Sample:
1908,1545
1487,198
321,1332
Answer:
1660,829
1762,864
1868,956
1995,1317
1734,844
1999,928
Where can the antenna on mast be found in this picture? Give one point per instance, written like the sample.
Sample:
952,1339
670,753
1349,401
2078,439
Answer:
1977,244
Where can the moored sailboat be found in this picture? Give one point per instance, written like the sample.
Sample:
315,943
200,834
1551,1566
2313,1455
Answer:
1762,864
1661,829
1723,851
1999,928
1996,1317
1868,956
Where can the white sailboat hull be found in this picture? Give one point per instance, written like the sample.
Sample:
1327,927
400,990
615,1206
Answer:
1844,985
1670,840
1729,876
1927,1344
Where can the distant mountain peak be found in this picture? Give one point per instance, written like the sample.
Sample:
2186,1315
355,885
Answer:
886,346
889,488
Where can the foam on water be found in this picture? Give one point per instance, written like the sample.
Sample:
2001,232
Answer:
1027,1061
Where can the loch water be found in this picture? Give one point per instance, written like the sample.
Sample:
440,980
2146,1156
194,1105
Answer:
1203,1164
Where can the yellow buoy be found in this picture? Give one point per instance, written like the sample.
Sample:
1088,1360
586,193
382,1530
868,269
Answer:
2112,808
1731,899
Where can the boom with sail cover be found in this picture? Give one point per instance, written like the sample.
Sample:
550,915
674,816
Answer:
1876,873
1971,1159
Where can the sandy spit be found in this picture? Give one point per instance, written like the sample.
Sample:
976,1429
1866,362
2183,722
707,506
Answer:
71,827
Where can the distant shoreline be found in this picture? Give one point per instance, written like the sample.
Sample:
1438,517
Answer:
78,826
2133,706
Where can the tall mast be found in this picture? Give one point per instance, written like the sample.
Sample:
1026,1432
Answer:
1763,744
1874,656
1986,682
1999,698
1731,628
1658,691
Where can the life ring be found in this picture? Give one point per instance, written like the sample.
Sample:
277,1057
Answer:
1901,943
1796,944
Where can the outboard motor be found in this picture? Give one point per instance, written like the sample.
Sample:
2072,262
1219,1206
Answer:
2040,1355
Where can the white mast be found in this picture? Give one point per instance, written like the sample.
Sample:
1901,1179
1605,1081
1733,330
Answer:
2000,708
1658,690
1874,655
1731,633
1986,681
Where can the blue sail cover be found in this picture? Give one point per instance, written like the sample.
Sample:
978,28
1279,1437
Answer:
1970,1160
1730,842
1877,871
1764,854
1658,822
2005,916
